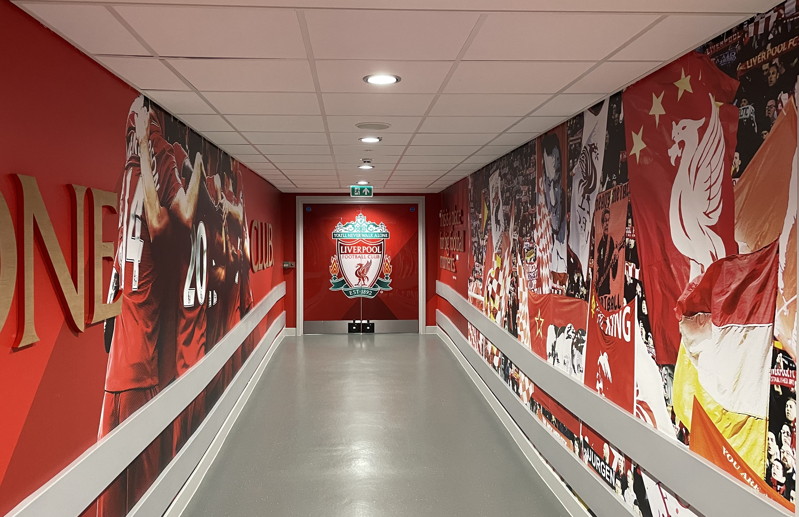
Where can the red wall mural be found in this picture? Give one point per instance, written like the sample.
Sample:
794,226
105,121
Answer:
75,189
343,272
633,244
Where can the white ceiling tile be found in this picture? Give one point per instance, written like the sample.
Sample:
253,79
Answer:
365,149
495,150
276,123
281,138
239,149
423,167
281,159
467,124
398,124
536,124
514,76
676,35
347,138
347,75
451,160
354,160
253,159
144,73
407,35
568,104
610,77
441,150
302,166
91,27
180,103
477,104
452,138
401,175
515,139
260,103
309,173
251,75
217,31
317,182
554,36
203,123
376,104
479,160
294,149
265,167
224,137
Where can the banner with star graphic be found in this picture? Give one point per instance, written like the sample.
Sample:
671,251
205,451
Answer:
681,133
558,331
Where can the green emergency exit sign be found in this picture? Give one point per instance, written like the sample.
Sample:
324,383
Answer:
361,190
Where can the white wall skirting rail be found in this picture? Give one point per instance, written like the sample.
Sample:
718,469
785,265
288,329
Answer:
74,488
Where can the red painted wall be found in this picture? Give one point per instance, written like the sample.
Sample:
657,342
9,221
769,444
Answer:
63,123
288,234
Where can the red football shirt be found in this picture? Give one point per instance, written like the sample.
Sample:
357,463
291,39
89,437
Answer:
133,359
193,281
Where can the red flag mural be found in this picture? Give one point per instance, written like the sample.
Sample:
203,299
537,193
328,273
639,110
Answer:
680,138
725,359
708,442
610,354
765,210
558,331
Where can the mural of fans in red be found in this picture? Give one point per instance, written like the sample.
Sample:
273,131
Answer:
669,212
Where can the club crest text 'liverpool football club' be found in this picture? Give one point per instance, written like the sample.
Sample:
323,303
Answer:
360,267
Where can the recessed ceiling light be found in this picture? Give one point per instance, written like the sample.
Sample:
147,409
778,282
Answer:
366,165
373,126
371,139
363,182
382,79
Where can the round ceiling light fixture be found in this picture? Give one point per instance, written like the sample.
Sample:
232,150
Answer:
366,165
382,79
363,182
373,126
371,139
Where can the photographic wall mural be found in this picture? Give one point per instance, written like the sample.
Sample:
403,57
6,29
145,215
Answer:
647,247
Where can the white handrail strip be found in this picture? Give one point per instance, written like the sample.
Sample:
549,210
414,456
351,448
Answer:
171,480
74,488
708,489
525,429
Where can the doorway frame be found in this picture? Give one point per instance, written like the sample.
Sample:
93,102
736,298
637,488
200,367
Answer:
343,200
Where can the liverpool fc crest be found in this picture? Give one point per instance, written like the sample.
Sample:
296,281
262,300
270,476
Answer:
360,267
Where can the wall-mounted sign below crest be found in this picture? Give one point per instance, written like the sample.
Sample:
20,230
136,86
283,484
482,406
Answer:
360,267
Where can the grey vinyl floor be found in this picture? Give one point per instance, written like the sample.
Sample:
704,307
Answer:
380,425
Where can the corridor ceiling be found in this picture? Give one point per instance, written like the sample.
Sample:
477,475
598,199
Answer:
279,84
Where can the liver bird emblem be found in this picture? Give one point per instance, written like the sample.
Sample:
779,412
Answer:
696,200
362,273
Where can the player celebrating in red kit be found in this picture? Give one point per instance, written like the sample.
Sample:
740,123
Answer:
151,191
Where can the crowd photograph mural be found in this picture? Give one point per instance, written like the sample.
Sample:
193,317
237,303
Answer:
647,248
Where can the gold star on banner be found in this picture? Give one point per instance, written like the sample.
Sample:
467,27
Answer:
638,143
657,107
684,84
539,322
